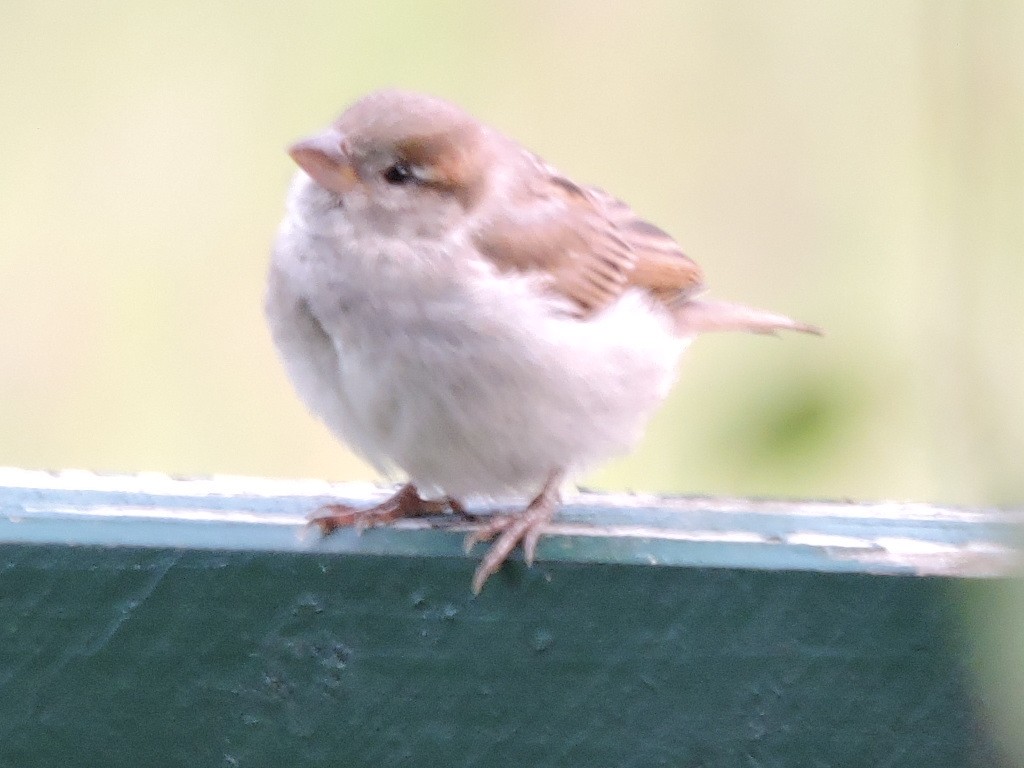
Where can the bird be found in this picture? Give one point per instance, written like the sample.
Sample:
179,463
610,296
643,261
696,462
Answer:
461,314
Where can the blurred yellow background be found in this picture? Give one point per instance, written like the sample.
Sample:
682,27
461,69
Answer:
856,165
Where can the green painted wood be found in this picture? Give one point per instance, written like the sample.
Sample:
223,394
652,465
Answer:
152,657
259,515
123,652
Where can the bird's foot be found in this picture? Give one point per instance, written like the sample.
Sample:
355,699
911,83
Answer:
405,502
512,530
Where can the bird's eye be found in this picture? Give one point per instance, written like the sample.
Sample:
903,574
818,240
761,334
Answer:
399,173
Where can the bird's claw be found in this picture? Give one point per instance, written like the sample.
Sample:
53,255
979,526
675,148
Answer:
511,531
405,502
331,517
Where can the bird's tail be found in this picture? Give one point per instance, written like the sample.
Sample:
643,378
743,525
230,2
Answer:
696,316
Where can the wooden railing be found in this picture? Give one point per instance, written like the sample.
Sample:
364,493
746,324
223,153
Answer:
154,621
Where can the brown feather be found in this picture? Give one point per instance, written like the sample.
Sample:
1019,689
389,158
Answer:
591,245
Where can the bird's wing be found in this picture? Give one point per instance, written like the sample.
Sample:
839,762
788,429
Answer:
591,246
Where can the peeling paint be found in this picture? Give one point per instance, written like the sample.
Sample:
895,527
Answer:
236,513
830,541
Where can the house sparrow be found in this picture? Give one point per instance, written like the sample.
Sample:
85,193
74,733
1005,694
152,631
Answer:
454,308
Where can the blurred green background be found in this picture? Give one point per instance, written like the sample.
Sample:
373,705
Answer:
859,165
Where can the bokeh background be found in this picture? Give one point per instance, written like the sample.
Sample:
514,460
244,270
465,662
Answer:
859,165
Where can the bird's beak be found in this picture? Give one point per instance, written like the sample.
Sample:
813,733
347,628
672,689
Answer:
324,157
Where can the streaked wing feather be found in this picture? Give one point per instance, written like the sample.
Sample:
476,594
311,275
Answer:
591,245
558,230
661,266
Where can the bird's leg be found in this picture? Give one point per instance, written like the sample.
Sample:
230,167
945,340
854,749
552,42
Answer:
458,509
405,502
511,530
